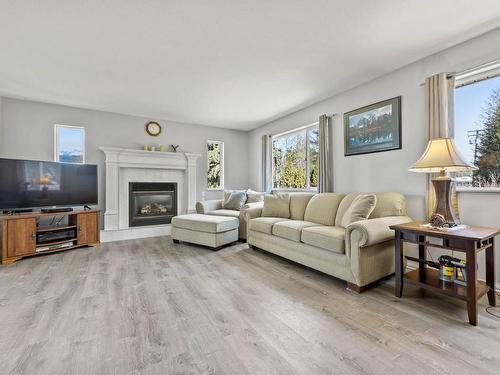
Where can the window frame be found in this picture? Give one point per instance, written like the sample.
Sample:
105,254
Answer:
56,143
221,162
470,77
285,133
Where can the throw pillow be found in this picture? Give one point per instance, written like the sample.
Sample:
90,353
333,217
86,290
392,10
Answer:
254,196
276,205
225,197
235,200
227,194
360,208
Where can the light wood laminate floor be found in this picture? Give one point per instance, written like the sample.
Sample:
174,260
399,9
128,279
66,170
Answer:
152,307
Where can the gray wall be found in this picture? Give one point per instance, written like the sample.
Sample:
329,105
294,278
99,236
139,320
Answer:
1,127
28,133
388,171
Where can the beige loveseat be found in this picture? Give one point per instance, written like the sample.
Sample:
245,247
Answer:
214,207
360,254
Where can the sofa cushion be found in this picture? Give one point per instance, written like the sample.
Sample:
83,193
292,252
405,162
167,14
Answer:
234,200
325,237
277,205
298,204
231,213
291,229
322,208
360,209
254,196
263,224
389,204
205,223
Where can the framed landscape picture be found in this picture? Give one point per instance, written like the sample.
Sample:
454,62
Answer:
374,128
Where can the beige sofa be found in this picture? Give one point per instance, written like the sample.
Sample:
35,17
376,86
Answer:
214,207
360,254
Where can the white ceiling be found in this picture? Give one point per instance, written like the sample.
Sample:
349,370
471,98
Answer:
229,63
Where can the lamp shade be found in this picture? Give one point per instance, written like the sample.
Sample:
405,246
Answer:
441,154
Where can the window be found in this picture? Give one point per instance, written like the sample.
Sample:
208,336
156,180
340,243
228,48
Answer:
477,126
295,159
69,142
215,165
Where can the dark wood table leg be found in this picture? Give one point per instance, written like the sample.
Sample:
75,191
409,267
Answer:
398,263
490,273
421,255
471,282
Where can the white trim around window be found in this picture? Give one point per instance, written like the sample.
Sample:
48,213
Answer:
56,140
477,74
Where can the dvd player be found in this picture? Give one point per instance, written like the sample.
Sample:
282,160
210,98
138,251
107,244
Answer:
55,235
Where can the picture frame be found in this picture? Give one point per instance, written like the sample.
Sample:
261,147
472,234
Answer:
373,128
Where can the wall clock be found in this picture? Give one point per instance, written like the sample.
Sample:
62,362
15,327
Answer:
153,128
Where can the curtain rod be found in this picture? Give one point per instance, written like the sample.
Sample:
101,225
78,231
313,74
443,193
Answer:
448,76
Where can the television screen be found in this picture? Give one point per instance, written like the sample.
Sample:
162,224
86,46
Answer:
29,184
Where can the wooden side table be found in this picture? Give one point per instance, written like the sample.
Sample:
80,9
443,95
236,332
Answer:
468,240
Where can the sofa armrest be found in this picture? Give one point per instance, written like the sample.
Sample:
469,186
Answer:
247,206
253,213
374,231
203,207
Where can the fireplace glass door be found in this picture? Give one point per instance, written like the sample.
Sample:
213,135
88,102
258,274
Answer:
152,203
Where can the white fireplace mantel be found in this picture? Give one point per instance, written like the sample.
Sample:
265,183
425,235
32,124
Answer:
124,165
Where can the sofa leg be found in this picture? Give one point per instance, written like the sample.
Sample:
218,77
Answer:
176,241
356,288
253,247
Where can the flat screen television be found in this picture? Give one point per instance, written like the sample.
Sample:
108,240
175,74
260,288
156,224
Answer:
33,184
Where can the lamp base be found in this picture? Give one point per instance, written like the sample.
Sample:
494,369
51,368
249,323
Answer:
443,186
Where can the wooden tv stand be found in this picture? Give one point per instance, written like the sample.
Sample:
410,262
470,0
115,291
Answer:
19,232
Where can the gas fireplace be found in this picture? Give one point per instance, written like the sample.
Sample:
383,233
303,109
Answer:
152,203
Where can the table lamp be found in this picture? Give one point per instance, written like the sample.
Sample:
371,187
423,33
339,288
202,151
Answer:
441,156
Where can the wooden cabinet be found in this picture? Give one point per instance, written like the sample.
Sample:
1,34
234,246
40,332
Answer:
88,228
20,237
18,233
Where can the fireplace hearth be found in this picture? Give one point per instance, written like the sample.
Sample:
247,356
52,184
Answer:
152,203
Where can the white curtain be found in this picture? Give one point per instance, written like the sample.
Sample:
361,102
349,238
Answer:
267,177
440,121
324,168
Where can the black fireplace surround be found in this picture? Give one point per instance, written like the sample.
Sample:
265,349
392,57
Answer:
152,203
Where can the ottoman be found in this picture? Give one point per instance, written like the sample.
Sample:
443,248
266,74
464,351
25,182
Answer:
209,230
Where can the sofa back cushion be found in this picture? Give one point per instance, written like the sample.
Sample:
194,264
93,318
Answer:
360,209
322,208
277,205
388,204
298,204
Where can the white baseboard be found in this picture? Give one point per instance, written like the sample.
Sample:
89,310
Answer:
134,233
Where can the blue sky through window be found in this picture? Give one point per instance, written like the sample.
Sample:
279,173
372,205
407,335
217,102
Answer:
469,102
70,144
